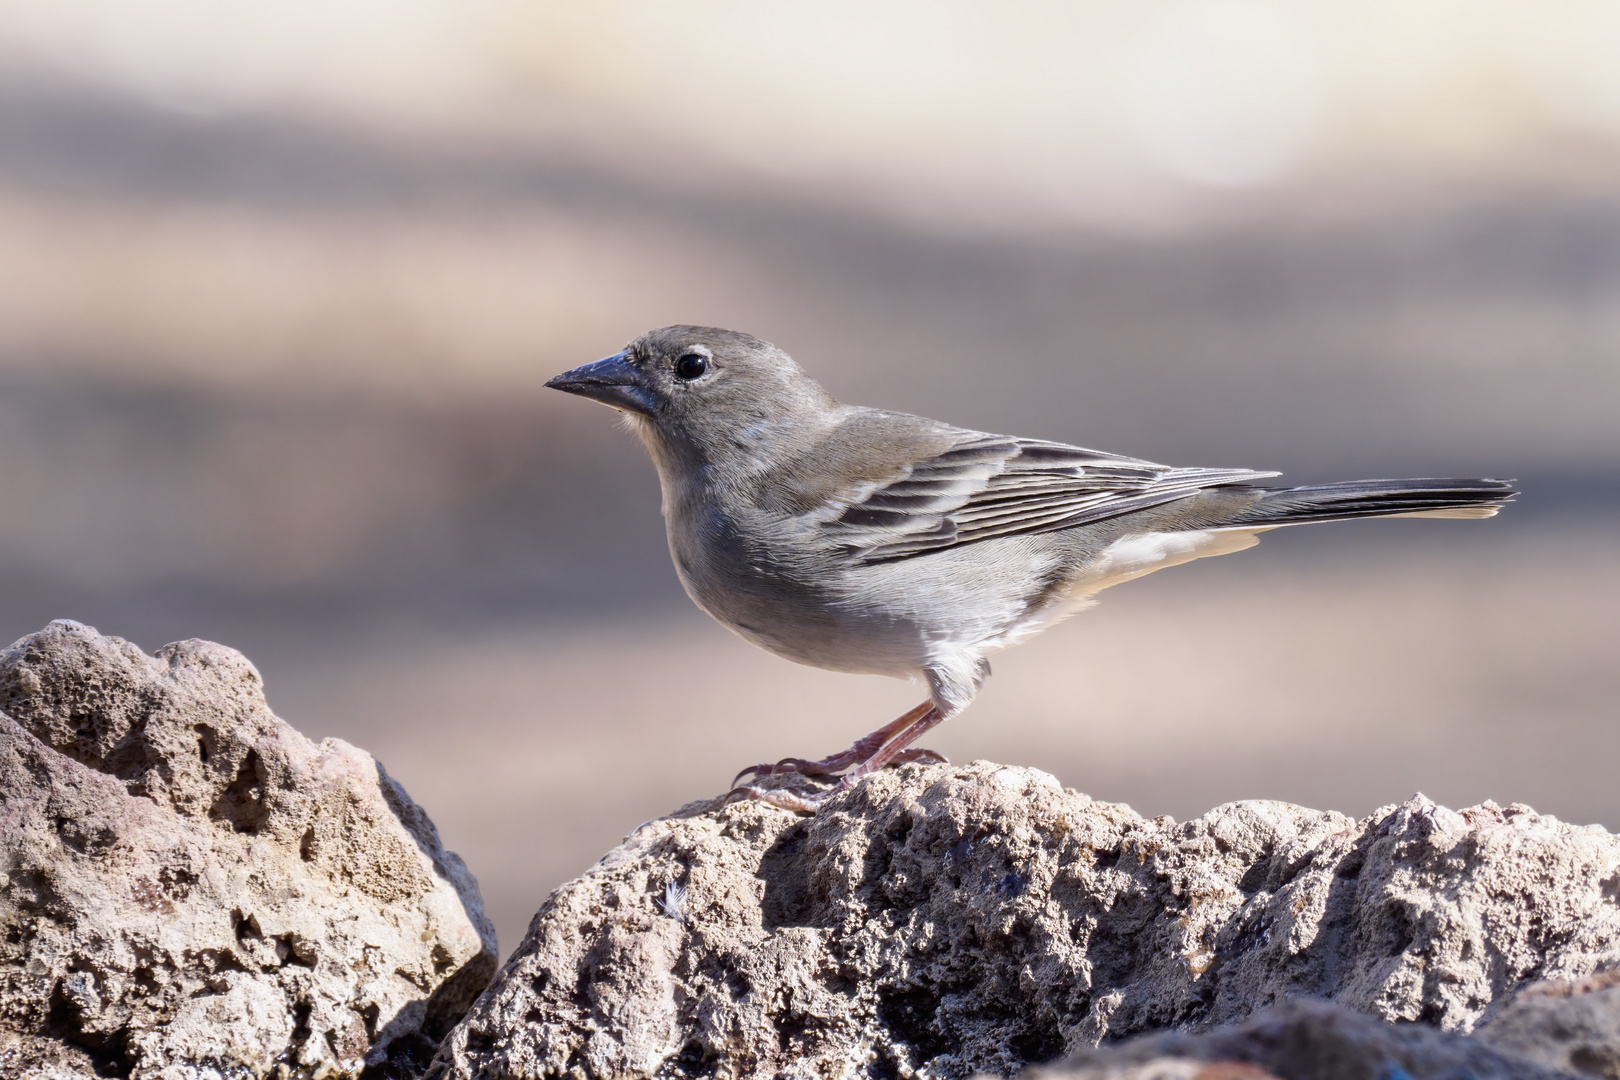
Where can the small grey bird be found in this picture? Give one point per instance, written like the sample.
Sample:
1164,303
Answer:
862,540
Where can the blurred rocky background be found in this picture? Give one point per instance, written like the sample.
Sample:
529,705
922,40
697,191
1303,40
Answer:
279,287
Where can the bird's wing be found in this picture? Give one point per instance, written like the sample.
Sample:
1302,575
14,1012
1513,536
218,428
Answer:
986,486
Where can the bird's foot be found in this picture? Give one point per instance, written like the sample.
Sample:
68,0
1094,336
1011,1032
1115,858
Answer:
803,802
889,745
861,752
808,802
803,766
834,765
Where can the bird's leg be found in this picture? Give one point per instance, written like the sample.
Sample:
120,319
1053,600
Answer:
862,750
896,751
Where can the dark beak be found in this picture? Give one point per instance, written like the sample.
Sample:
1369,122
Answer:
613,381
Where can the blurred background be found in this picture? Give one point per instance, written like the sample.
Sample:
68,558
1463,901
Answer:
280,285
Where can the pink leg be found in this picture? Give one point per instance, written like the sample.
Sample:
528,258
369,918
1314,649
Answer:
894,753
895,749
861,751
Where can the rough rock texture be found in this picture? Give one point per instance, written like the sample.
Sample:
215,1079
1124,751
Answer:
1573,1026
190,888
952,919
1554,1030
1304,1040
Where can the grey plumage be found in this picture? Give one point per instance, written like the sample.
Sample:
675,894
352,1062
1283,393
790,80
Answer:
871,541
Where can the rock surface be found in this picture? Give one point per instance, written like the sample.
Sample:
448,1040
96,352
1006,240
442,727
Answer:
944,920
1303,1040
190,888
1554,1030
1569,1025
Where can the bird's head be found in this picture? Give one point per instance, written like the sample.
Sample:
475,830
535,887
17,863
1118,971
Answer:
701,393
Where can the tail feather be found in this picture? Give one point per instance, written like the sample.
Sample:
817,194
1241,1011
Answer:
1380,498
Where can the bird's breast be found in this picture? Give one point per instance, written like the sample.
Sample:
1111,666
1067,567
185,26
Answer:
775,583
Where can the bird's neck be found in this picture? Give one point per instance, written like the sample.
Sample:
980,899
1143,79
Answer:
731,456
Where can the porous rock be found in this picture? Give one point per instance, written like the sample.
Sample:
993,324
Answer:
192,889
1571,1025
944,920
1553,1030
1303,1040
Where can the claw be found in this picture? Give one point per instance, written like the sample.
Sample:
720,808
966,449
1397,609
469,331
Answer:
757,770
806,767
858,754
808,802
799,765
783,798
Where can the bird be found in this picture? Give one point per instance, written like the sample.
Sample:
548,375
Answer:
864,540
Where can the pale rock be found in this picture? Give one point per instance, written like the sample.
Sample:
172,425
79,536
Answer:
192,889
943,920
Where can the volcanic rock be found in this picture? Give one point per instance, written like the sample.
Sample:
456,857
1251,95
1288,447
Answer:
1555,1030
944,920
189,888
1303,1040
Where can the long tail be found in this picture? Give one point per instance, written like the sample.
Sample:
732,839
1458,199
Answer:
1380,498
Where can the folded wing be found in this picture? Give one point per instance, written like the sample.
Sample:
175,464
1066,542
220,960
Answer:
986,486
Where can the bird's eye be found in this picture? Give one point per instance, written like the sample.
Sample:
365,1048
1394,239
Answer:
691,366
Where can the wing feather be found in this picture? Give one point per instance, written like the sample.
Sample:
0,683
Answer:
987,486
